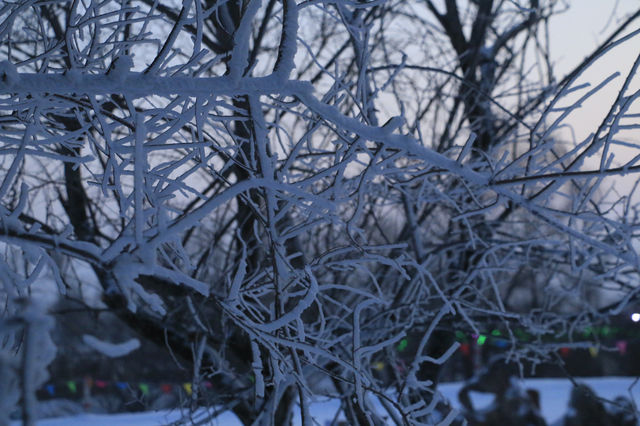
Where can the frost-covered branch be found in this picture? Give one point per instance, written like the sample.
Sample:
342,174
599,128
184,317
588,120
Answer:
218,170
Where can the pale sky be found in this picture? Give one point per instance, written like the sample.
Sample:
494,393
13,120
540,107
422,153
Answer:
577,31
575,34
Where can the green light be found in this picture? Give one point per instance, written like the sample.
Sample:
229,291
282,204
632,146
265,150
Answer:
460,335
144,388
72,386
402,345
481,339
495,333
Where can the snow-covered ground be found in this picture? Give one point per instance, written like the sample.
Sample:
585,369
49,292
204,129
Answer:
554,398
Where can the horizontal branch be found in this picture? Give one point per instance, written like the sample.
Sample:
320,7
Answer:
139,85
565,175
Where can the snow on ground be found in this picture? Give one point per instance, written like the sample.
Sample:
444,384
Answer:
554,399
133,419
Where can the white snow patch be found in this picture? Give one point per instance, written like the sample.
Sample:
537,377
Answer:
554,399
113,350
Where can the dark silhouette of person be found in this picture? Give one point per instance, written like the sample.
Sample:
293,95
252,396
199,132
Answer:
585,409
512,404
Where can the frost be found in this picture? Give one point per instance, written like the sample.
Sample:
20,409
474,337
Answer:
121,68
8,73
